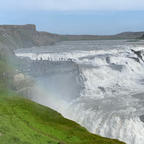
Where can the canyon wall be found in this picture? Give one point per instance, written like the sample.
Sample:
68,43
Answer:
24,36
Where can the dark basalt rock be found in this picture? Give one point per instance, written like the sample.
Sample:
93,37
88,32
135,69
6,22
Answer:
108,60
102,89
138,53
142,118
136,59
142,37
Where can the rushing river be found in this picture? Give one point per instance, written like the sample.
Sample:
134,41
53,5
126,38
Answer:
99,84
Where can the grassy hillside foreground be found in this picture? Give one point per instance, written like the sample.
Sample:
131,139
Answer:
25,122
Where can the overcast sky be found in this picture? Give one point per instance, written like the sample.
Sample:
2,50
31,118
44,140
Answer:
75,16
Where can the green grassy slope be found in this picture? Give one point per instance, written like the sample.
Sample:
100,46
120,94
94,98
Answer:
25,122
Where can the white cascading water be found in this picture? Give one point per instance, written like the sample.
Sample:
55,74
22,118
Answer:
105,94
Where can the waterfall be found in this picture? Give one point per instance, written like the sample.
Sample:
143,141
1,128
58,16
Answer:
100,89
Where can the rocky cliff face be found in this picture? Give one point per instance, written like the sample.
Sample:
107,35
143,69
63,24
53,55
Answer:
24,36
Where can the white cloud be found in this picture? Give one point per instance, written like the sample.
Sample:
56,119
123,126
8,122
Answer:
73,4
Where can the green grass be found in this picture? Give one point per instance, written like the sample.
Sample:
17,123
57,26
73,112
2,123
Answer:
25,122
